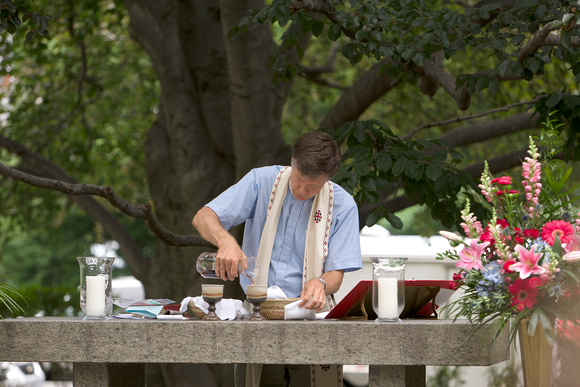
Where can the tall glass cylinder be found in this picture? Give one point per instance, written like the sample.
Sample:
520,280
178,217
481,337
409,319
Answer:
96,281
388,288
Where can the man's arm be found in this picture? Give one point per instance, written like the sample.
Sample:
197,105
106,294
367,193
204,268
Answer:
314,293
229,252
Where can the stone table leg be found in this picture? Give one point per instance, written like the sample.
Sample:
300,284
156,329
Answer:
397,376
108,374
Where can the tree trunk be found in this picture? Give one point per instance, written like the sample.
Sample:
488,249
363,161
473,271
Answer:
219,116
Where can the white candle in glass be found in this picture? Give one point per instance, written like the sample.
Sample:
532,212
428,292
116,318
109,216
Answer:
95,295
388,298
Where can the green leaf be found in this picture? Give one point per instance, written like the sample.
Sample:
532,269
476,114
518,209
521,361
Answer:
571,101
411,169
533,64
384,161
419,59
571,275
306,26
15,19
334,32
29,36
394,220
11,8
557,246
383,184
433,172
504,67
373,218
493,85
533,323
481,83
360,134
317,27
553,100
11,28
566,39
369,184
362,169
399,166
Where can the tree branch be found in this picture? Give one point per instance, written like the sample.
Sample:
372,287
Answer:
473,116
488,130
313,74
435,73
537,41
363,93
60,181
142,212
555,40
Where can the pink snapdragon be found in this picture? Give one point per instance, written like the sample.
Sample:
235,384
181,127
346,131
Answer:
532,170
485,185
471,226
470,257
528,262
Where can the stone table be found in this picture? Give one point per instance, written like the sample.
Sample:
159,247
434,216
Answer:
113,352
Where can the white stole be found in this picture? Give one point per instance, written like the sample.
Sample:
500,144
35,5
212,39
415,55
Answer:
315,253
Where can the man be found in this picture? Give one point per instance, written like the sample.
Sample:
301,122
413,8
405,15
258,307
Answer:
302,228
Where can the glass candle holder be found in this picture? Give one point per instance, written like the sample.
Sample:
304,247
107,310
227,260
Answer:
388,288
96,280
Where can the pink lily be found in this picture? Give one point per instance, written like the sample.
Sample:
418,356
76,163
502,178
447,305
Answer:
528,262
470,257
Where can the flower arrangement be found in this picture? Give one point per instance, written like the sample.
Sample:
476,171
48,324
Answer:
525,262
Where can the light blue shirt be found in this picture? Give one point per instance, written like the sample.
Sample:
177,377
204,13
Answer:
248,201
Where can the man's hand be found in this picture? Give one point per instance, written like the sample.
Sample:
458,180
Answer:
313,295
227,259
229,252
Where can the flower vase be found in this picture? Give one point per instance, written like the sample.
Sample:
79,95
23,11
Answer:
536,355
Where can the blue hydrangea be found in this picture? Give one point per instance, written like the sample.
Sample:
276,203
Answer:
492,272
483,288
545,249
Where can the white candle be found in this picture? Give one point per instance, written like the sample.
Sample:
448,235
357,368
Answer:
95,295
388,300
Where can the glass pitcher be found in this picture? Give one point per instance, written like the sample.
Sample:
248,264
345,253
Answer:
96,284
388,288
206,266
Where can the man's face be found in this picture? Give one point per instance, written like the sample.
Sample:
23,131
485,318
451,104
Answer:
304,188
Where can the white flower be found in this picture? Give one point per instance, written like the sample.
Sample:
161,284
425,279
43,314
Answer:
572,256
451,236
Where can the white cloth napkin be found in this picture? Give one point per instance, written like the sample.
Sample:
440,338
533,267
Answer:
226,309
275,293
294,312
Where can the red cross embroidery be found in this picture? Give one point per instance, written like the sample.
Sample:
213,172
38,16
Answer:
325,367
318,216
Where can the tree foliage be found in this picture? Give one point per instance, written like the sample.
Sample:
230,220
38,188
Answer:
418,93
